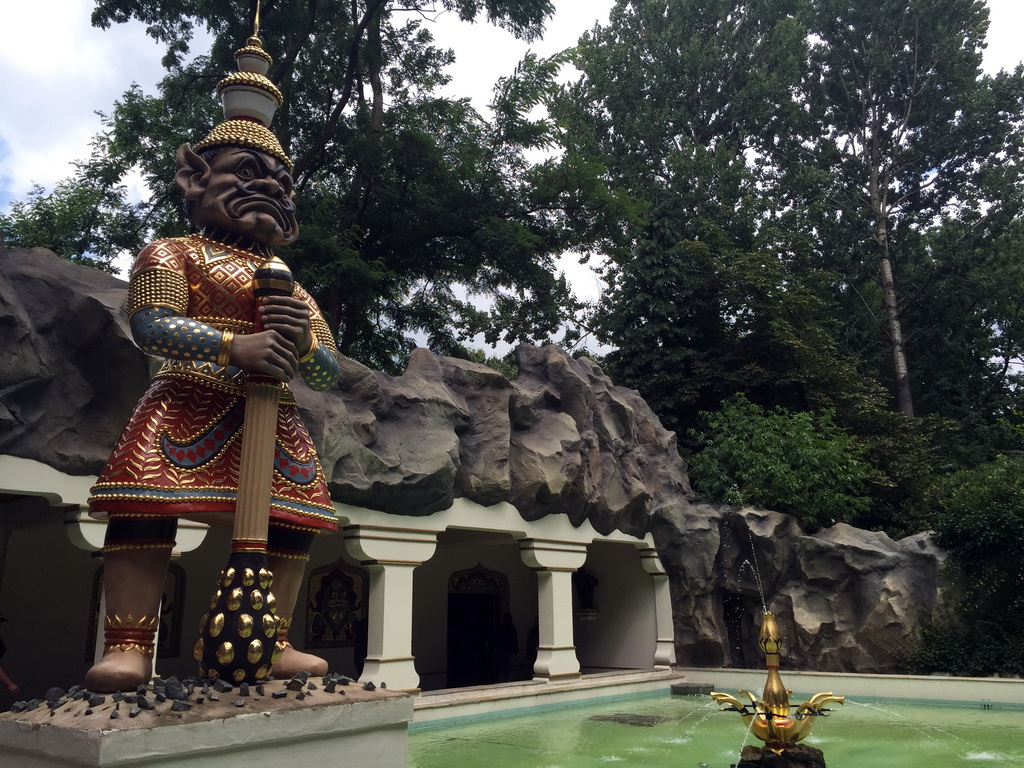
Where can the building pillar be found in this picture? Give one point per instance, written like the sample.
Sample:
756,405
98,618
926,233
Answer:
554,562
665,649
390,555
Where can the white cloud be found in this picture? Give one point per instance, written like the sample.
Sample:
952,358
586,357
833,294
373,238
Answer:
58,71
1006,18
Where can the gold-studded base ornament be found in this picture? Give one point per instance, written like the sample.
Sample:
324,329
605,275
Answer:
239,635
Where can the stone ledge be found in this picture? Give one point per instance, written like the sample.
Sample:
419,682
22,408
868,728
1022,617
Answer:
369,725
484,700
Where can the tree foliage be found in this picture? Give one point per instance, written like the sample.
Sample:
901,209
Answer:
417,216
87,218
782,158
981,525
800,463
715,281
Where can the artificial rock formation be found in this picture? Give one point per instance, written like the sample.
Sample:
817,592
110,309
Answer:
559,439
847,600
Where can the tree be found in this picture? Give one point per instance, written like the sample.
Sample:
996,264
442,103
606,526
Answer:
902,120
712,290
86,218
413,209
782,160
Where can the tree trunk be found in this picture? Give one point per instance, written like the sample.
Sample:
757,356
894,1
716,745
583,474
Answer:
899,353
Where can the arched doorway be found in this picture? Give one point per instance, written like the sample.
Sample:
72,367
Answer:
478,599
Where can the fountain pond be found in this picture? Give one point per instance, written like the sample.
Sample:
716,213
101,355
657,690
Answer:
664,731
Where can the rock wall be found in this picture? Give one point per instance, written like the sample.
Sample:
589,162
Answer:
560,439
848,600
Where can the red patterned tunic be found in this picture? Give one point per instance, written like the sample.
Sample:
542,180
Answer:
180,453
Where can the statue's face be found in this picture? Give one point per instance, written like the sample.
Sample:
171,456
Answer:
250,193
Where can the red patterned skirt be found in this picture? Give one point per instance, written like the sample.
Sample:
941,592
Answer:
181,451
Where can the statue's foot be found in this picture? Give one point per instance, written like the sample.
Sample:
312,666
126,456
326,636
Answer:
119,671
292,662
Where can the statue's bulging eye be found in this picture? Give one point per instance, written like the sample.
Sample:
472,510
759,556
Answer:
245,173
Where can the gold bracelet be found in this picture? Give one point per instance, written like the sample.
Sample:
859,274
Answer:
227,337
313,347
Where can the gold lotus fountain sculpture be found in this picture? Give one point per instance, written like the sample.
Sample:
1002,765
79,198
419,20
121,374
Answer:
771,719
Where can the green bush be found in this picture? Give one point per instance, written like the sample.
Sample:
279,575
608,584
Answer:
981,524
800,463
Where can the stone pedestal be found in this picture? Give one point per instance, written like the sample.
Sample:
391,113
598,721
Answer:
799,756
367,728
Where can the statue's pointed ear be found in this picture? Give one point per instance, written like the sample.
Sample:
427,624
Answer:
193,173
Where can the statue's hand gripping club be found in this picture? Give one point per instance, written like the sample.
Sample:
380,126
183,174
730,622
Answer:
239,634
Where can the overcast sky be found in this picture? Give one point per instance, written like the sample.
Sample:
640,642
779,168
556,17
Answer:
58,71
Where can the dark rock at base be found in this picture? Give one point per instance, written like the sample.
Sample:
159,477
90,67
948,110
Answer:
173,689
800,756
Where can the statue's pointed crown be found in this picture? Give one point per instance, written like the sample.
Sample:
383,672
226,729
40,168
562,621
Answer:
249,101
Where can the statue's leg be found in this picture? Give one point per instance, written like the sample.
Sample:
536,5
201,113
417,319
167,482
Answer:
135,558
287,556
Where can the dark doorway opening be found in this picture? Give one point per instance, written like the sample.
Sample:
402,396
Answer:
473,621
477,600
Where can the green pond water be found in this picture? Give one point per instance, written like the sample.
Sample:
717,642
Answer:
692,733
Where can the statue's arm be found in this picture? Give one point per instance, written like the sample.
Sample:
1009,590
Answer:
158,309
162,331
319,365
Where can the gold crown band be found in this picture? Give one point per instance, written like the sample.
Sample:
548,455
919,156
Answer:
252,80
247,134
